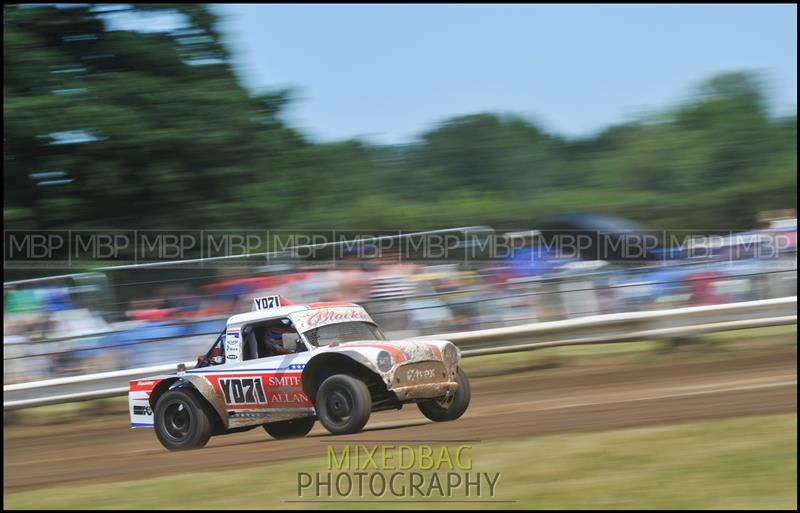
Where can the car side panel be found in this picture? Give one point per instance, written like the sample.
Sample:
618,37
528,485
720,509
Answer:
259,391
138,402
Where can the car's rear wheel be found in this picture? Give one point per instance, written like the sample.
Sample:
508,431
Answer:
289,428
182,420
451,406
343,404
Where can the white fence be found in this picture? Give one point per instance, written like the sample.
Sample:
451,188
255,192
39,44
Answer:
595,329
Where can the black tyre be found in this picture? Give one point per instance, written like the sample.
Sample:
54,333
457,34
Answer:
449,408
289,428
343,404
182,420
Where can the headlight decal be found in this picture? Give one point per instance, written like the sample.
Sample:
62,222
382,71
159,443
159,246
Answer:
385,362
450,354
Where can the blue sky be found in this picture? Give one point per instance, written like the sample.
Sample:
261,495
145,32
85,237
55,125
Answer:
387,73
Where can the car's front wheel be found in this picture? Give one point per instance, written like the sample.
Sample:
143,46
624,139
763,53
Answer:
289,428
449,407
343,404
182,420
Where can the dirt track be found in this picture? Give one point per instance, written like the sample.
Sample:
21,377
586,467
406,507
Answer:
575,398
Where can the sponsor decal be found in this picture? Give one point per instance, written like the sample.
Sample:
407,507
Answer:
284,381
243,390
142,410
288,398
276,390
142,386
316,317
413,375
232,345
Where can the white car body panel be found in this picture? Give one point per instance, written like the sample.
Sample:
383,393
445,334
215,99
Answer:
270,389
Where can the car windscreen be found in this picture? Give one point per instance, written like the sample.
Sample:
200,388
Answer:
341,332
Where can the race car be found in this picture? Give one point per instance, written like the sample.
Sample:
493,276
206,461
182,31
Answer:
285,366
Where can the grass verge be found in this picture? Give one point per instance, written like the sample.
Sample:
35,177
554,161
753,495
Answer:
748,462
640,352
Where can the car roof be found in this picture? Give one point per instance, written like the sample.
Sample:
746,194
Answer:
277,313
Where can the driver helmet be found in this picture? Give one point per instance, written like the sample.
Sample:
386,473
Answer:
217,356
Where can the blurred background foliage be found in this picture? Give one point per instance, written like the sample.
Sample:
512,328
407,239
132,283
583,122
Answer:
109,127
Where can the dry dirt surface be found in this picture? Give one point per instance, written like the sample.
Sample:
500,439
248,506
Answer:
575,398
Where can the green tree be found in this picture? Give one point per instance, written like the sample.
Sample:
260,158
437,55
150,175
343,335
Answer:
132,117
143,128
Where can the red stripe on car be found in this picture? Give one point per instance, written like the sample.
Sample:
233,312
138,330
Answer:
397,355
143,386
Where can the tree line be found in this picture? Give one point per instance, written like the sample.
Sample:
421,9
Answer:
131,127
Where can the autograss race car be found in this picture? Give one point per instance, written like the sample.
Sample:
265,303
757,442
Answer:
283,366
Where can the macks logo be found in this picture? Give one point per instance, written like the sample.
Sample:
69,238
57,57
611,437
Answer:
243,391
